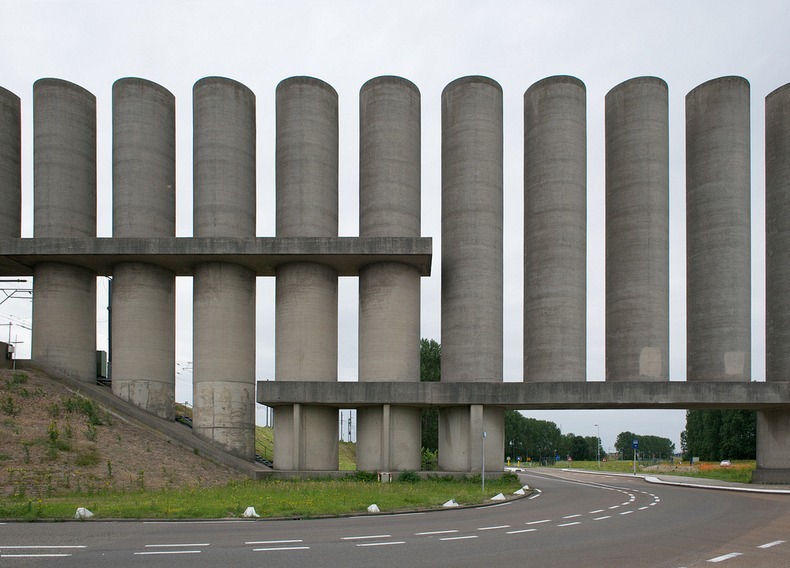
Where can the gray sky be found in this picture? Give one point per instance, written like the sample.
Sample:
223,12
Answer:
177,42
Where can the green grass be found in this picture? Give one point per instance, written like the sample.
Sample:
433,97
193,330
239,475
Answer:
740,471
271,498
264,444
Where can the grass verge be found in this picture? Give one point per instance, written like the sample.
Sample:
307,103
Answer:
271,498
740,471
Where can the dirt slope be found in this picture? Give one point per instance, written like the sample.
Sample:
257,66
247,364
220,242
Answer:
53,441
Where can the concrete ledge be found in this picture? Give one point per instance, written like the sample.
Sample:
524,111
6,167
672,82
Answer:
180,254
531,396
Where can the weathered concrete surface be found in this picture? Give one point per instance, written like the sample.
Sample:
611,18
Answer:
560,395
637,231
64,320
10,164
224,294
555,230
143,160
223,158
777,234
224,357
143,337
472,253
718,235
388,438
64,164
305,437
262,255
144,205
773,427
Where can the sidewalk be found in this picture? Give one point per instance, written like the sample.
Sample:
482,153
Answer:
697,482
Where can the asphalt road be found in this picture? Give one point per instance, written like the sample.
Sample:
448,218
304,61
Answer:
571,520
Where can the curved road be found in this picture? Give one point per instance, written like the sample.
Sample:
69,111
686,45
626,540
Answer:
570,520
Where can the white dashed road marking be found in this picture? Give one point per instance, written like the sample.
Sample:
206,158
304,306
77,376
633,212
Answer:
366,536
434,532
276,548
459,537
381,543
570,524
726,557
521,531
291,541
493,528
538,522
771,544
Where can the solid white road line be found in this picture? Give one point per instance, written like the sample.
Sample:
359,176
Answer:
42,547
362,537
176,545
167,552
771,544
726,557
290,541
275,548
493,528
381,543
434,532
34,555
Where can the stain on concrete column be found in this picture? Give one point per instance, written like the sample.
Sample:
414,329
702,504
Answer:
144,205
637,231
718,231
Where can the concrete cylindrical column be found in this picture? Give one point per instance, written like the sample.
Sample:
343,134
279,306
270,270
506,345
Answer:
306,437
777,234
472,249
718,231
10,165
224,294
555,230
144,205
773,426
389,293
64,168
637,231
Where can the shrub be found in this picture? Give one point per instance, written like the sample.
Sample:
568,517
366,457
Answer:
408,476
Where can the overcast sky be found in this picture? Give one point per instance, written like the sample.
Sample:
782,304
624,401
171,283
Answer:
175,43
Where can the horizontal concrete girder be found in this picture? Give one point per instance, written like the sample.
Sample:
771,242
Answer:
531,396
263,255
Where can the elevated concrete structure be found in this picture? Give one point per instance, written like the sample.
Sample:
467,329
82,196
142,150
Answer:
224,293
306,436
142,303
10,165
388,438
718,231
773,427
472,245
555,230
637,231
64,169
557,395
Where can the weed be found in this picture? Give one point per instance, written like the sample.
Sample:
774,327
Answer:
54,410
364,476
109,468
67,429
19,378
196,451
8,406
91,433
141,479
4,457
53,433
88,407
408,476
87,458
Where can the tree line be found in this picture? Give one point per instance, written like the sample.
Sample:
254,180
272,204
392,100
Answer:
714,435
529,438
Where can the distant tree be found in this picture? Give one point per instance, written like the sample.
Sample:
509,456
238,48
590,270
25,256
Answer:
650,447
714,435
430,371
530,438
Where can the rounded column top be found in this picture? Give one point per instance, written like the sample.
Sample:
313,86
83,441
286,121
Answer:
305,80
62,84
637,81
216,80
556,80
125,82
9,97
728,80
471,79
783,91
388,80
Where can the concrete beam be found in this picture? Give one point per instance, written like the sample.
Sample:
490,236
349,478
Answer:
263,255
532,396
